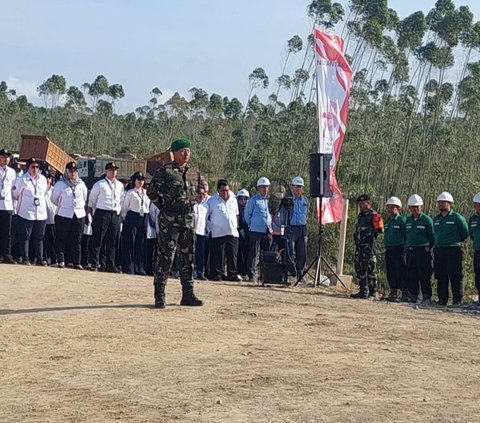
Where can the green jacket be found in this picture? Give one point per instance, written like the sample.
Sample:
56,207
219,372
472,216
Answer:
173,188
474,231
395,231
450,230
420,232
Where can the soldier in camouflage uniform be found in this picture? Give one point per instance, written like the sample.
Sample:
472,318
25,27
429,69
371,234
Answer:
173,189
369,225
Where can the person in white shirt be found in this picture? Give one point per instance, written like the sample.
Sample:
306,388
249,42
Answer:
135,209
7,179
70,197
29,190
105,203
222,225
49,253
200,209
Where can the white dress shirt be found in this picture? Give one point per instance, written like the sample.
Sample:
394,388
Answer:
69,199
222,216
137,201
7,180
200,210
107,195
30,193
51,208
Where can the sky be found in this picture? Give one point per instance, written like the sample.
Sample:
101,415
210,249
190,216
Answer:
174,45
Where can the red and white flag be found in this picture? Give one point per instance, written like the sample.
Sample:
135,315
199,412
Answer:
334,80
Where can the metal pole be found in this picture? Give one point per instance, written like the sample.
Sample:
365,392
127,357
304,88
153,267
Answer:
343,237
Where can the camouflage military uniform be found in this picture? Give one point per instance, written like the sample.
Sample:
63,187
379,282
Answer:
365,259
173,189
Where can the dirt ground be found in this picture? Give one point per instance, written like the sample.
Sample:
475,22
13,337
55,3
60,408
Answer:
77,346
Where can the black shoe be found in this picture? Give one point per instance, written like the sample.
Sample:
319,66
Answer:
9,260
159,295
404,298
441,303
94,269
216,279
360,294
456,304
114,270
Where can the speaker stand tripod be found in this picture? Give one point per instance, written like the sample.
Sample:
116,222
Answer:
319,259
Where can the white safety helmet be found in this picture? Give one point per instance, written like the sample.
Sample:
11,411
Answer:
394,201
415,200
298,181
263,182
445,196
476,199
243,193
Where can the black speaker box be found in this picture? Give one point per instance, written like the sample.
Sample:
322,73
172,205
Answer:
320,175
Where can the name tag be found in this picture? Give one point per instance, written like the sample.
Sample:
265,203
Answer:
473,225
421,227
396,227
437,223
409,226
450,222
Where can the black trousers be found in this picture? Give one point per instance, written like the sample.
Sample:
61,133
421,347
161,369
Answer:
5,233
224,248
448,269
256,239
86,242
242,256
71,231
396,267
31,232
476,267
16,247
134,240
201,253
419,271
151,260
105,227
49,252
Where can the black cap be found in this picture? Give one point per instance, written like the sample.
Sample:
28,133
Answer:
31,161
138,176
363,197
111,165
5,153
71,166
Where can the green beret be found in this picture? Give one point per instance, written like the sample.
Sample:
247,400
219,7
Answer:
179,144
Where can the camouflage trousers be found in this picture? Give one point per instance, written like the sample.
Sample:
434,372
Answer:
175,235
365,267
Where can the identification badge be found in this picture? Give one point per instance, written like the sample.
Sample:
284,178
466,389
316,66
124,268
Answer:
36,201
74,203
142,213
2,194
114,204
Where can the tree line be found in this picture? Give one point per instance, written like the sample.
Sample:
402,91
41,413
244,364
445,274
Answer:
413,124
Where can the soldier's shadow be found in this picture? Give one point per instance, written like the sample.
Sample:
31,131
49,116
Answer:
4,312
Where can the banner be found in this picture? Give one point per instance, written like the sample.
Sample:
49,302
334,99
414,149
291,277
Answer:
334,79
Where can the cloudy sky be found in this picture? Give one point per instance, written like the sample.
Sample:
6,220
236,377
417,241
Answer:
172,45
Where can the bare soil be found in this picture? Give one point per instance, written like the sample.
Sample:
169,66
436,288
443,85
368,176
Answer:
82,347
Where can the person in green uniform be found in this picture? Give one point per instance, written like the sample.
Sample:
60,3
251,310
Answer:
474,231
419,241
369,225
394,240
173,190
451,230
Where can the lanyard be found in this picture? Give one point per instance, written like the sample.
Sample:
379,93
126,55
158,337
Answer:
114,194
4,170
141,198
34,185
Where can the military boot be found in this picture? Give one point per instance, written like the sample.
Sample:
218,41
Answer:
188,296
363,294
159,293
393,295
